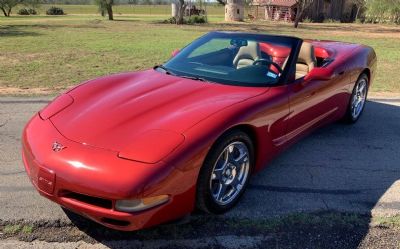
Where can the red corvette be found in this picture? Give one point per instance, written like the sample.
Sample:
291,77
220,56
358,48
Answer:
136,149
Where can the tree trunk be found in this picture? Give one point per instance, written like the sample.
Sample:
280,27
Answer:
110,12
298,18
4,11
358,12
181,12
9,12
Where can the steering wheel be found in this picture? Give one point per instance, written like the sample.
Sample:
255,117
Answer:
269,63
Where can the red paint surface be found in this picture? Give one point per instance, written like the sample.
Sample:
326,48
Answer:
165,126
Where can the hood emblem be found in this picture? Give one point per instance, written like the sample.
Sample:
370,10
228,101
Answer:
56,147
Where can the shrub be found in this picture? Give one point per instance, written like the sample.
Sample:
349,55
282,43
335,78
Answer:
26,12
307,20
23,12
189,20
359,21
32,12
196,19
55,11
331,21
171,20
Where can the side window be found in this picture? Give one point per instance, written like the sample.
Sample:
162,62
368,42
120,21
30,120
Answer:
213,45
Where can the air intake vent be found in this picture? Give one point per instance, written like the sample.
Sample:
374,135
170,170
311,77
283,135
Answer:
94,201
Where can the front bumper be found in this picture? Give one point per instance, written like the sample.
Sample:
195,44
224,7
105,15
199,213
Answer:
88,180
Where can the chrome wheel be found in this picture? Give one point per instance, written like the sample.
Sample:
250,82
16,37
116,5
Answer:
230,173
359,98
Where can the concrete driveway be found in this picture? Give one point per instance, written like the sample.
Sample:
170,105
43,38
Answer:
340,167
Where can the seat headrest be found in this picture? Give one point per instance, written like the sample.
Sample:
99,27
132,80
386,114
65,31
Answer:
307,54
251,51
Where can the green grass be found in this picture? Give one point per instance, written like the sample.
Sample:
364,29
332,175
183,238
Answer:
391,222
55,52
11,229
125,9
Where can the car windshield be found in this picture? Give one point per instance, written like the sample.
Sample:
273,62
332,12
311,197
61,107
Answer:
233,58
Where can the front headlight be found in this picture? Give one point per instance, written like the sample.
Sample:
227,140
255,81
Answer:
152,146
136,205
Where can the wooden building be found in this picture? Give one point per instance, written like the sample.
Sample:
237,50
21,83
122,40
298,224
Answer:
320,10
274,10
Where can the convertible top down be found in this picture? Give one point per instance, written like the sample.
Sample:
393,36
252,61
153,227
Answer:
137,149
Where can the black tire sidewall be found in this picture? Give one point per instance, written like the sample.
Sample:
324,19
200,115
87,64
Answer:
204,199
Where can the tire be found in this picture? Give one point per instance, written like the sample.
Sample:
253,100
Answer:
352,115
227,167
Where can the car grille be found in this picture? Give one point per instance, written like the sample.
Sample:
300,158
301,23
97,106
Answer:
91,200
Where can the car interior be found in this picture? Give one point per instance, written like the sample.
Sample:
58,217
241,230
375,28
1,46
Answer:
252,61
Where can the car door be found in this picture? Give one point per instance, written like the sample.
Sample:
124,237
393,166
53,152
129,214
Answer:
312,101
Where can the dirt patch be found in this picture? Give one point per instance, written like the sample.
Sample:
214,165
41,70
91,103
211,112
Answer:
315,230
15,91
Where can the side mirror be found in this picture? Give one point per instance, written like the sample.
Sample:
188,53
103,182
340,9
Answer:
319,73
175,52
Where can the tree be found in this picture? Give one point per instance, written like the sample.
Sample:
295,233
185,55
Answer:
302,6
222,2
105,5
181,11
7,5
360,4
384,11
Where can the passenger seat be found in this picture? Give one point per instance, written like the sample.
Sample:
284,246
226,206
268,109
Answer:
247,55
306,60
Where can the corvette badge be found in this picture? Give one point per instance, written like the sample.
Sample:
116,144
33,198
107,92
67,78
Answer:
57,147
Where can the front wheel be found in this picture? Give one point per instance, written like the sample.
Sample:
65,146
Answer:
225,173
357,100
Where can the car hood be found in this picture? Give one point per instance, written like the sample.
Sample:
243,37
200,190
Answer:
112,111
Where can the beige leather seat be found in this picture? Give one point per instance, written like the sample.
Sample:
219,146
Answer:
306,60
247,55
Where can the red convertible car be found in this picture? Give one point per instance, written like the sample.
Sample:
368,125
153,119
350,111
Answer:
136,149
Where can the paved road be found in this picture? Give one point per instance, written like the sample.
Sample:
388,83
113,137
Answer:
347,168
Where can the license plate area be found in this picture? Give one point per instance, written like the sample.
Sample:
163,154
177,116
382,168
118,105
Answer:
46,180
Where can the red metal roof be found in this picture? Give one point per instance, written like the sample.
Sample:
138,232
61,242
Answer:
285,3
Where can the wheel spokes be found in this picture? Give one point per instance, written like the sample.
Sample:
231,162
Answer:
230,173
221,192
359,98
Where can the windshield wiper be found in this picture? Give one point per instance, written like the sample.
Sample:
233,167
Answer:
193,78
164,69
182,76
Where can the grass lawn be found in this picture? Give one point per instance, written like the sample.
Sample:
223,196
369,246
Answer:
53,53
126,9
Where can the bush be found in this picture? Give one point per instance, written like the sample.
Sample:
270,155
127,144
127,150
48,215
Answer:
331,21
32,12
196,19
359,21
190,20
23,12
55,11
171,20
307,20
26,12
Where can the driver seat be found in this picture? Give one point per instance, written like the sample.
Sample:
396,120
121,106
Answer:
247,55
306,60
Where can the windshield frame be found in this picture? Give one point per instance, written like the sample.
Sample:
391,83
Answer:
294,42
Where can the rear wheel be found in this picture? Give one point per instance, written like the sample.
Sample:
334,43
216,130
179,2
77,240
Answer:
357,100
225,173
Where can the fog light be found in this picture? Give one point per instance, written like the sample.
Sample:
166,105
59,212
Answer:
136,205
